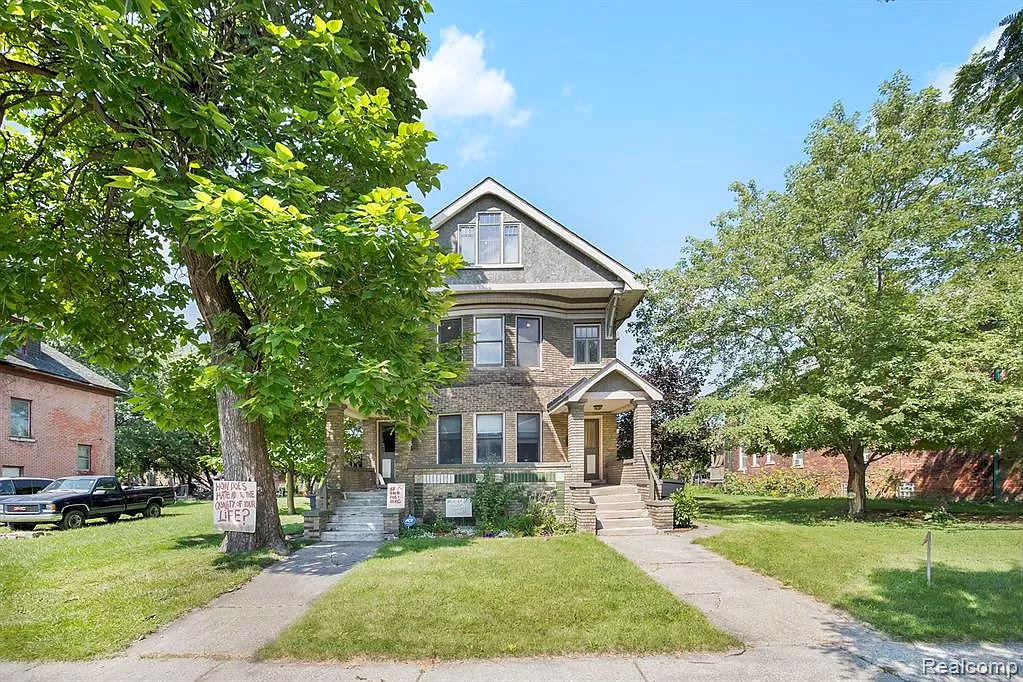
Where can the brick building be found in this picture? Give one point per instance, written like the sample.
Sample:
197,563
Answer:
536,315
58,415
959,474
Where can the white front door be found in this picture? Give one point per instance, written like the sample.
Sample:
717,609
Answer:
591,449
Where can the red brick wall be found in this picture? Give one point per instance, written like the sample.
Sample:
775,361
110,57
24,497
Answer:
63,416
960,474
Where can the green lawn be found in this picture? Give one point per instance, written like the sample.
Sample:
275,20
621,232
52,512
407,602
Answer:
78,594
875,569
452,599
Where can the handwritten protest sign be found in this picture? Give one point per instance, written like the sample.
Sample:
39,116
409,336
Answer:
234,506
395,495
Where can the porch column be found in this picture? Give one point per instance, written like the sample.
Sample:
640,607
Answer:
335,439
641,428
576,449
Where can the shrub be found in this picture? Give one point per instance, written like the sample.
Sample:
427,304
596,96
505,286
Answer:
778,483
685,507
440,526
544,521
490,502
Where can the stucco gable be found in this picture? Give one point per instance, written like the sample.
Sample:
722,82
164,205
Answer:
551,253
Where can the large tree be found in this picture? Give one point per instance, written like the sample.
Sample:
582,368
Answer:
676,445
249,156
827,307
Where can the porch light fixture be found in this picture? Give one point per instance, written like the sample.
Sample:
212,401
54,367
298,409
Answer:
598,406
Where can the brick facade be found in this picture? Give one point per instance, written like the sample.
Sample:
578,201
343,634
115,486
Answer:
958,474
64,415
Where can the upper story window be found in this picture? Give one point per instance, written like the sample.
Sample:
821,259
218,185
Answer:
527,341
489,344
491,241
449,439
587,344
450,330
21,418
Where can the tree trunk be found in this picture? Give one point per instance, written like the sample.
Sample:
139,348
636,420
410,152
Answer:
856,489
243,447
289,482
242,442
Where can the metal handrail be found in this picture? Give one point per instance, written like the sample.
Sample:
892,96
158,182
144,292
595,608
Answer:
655,483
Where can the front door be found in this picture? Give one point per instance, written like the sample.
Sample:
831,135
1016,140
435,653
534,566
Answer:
387,449
591,449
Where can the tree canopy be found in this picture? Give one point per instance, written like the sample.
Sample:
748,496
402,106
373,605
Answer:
833,309
250,157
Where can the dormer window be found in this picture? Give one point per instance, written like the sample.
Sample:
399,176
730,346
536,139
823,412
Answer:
492,240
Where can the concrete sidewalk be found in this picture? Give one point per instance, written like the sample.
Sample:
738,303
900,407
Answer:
239,623
784,628
789,636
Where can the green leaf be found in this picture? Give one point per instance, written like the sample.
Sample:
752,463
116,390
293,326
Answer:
234,196
269,203
283,153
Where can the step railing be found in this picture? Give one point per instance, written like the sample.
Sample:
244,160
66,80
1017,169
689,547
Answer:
653,483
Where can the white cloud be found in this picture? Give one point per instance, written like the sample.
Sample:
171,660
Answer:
943,76
457,84
474,149
566,91
584,108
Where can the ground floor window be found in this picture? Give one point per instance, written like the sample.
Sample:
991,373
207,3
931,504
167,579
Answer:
489,438
449,439
10,472
527,438
85,458
797,460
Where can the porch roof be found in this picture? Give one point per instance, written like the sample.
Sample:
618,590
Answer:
583,389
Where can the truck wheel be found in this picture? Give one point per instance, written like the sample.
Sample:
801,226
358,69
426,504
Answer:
72,520
153,510
112,518
22,526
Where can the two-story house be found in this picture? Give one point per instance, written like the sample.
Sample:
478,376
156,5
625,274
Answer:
59,415
537,313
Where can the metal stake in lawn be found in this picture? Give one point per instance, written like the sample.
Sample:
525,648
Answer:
927,541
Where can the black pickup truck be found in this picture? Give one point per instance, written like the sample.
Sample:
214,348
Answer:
69,502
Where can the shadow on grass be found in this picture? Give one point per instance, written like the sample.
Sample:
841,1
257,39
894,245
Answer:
959,605
826,510
402,547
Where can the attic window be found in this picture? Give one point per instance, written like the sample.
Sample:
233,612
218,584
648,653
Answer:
492,240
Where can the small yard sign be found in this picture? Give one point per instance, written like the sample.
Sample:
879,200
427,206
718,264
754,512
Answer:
458,508
409,521
395,495
234,506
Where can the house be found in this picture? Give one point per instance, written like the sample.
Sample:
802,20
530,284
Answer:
537,312
959,474
58,413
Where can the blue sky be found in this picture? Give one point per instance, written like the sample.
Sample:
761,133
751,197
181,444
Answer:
628,121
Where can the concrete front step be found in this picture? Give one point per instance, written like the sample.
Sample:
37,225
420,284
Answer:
630,522
633,504
345,536
601,500
602,490
625,513
376,527
649,530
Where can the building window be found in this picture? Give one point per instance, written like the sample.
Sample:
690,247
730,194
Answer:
491,241
467,243
769,458
449,439
489,342
84,457
489,438
527,341
797,460
587,344
756,461
742,459
527,438
10,472
21,418
449,330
